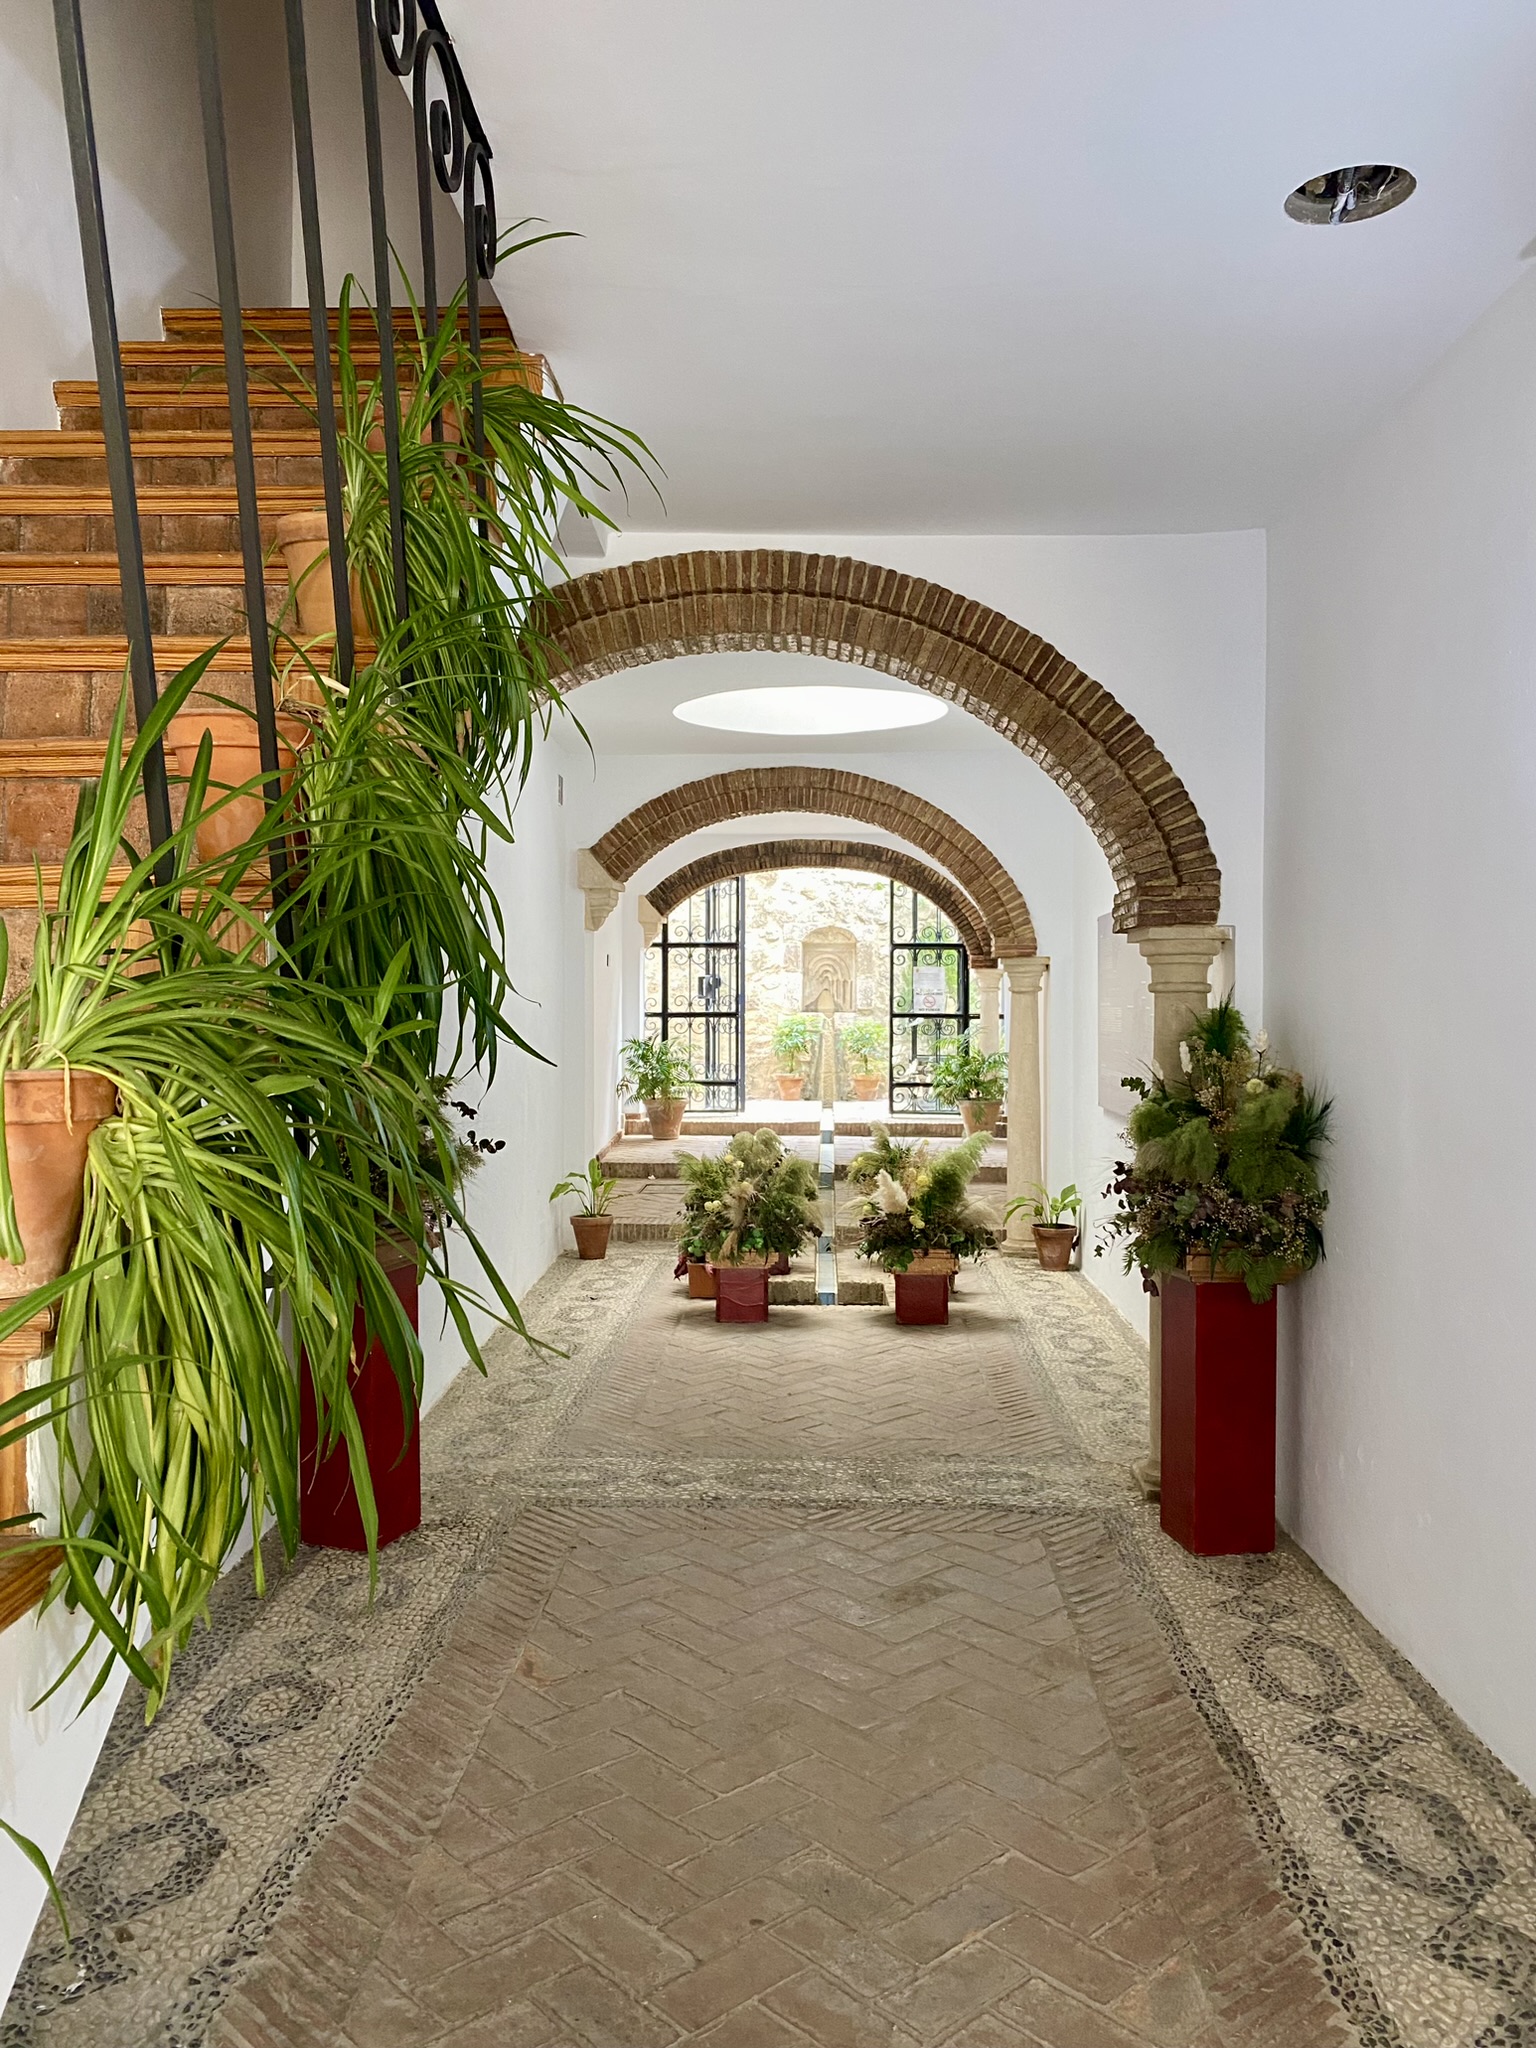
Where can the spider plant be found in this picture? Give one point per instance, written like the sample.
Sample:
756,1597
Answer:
244,1172
482,549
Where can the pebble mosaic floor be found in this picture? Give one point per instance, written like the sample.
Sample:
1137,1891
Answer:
1400,1848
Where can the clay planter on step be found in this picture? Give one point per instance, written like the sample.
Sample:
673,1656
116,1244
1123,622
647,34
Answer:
980,1116
591,1233
236,760
665,1114
49,1118
304,541
791,1087
1054,1242
866,1087
329,1514
741,1293
701,1280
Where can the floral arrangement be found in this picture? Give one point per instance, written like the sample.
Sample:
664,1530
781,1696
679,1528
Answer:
1226,1161
750,1202
918,1201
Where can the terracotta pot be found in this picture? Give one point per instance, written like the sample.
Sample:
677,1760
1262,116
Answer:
304,541
980,1116
665,1114
701,1281
791,1087
236,760
1054,1242
48,1125
866,1087
591,1233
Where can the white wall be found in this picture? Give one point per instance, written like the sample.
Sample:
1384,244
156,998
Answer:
1401,807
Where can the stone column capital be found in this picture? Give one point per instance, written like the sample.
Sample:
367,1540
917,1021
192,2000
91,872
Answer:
651,920
1180,957
1025,972
598,886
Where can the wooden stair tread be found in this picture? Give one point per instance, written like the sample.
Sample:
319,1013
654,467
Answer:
178,321
76,391
83,441
63,501
197,355
41,759
19,879
83,652
185,568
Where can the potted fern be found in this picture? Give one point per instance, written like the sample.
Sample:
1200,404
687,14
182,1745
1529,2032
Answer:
658,1074
795,1039
863,1040
1053,1222
593,1221
917,1219
972,1081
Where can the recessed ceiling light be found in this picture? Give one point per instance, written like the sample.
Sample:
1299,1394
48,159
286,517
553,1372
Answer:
1357,192
812,708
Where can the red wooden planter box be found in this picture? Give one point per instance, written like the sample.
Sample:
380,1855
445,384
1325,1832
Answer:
923,1297
328,1511
1218,1417
741,1294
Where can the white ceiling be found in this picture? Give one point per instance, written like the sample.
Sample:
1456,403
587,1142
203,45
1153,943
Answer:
997,265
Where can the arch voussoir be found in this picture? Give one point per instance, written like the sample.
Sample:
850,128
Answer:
954,646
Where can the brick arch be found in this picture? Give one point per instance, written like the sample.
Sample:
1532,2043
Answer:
1011,679
835,793
768,854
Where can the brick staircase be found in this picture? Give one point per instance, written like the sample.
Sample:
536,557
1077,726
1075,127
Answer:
62,645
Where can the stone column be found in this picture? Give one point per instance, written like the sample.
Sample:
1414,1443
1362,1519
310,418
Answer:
1179,957
1025,1124
986,994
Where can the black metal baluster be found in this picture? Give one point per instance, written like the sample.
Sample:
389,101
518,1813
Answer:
479,251
438,125
114,403
231,321
320,331
382,293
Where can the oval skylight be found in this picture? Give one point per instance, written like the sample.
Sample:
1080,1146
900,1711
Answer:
810,708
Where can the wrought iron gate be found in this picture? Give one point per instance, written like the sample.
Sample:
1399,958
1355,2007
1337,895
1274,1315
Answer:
695,990
930,996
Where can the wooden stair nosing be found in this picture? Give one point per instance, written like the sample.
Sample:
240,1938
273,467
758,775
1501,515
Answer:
51,759
84,653
295,319
19,881
214,571
76,501
162,443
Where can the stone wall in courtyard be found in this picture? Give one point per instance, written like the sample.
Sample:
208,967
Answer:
782,907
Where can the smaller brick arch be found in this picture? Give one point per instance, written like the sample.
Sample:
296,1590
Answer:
652,827
767,854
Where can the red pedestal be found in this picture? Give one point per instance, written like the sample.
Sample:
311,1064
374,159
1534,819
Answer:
328,1511
1218,1417
923,1297
741,1294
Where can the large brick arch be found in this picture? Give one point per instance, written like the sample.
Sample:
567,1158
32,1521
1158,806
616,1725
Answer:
1011,679
768,854
835,793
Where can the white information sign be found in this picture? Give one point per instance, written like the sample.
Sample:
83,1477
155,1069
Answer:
929,991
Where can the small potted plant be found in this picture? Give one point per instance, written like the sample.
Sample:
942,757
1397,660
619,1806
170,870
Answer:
863,1040
658,1073
744,1209
918,1220
593,1221
1054,1223
972,1081
795,1038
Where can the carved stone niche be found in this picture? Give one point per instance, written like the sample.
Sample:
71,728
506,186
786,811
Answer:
829,969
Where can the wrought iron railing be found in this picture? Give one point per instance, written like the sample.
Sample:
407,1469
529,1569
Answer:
453,156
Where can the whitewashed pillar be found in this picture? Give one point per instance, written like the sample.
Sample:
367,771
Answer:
986,994
1026,1166
1179,957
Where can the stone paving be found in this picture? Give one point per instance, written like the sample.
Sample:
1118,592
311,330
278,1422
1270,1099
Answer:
821,1683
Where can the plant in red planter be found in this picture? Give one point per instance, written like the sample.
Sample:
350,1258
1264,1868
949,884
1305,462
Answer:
745,1208
592,1223
918,1220
1221,1203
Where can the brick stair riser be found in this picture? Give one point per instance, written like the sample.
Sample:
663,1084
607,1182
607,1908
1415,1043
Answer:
42,610
165,533
37,814
144,417
183,472
37,705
